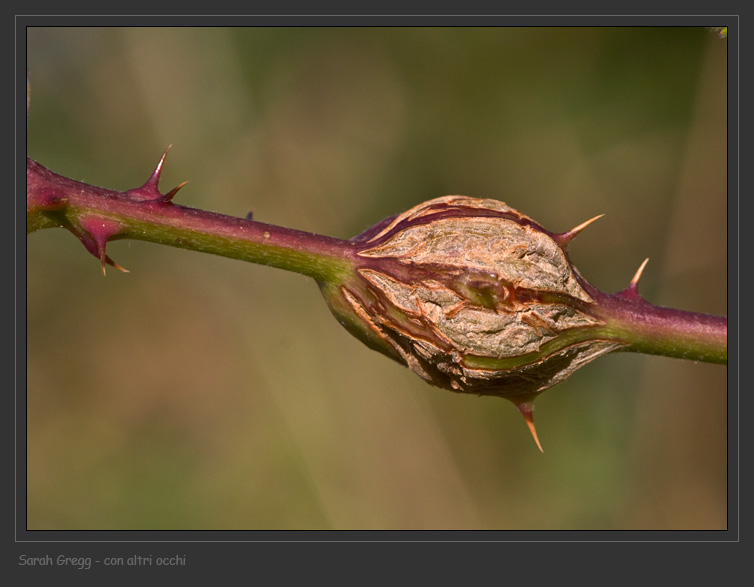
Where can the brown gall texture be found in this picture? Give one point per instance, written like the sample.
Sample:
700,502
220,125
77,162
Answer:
475,297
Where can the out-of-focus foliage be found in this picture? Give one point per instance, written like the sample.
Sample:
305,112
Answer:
199,392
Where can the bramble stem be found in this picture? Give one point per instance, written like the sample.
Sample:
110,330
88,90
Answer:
97,215
664,331
56,201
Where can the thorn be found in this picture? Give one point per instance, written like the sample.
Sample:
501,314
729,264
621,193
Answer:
634,285
100,242
113,264
174,191
105,260
565,238
154,179
632,291
94,234
150,190
527,411
250,215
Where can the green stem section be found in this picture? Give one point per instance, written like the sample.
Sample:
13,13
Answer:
145,214
646,328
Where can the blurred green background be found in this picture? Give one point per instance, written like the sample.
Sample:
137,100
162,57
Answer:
197,392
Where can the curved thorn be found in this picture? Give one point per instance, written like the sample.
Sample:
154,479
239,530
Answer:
174,191
566,237
105,260
118,267
634,285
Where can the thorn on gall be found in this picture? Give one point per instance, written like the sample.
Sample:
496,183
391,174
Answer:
527,411
564,238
